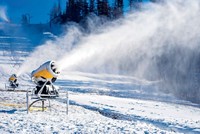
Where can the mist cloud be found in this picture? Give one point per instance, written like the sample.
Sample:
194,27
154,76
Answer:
138,39
51,50
3,15
159,43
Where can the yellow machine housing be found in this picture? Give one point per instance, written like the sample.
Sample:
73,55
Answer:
13,78
13,81
46,72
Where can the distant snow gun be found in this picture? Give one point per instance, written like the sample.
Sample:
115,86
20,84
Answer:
44,77
13,81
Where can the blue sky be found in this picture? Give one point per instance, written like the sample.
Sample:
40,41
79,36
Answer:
38,9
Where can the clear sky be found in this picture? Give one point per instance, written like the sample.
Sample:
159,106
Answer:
38,9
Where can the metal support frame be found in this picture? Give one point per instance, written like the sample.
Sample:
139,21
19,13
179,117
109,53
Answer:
10,88
67,103
39,94
27,101
28,106
39,98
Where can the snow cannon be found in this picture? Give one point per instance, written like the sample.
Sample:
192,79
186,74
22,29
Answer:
46,72
13,81
44,77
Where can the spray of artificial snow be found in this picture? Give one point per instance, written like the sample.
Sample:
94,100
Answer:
3,15
134,43
160,42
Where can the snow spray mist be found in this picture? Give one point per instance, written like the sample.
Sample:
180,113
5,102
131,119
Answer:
3,15
159,43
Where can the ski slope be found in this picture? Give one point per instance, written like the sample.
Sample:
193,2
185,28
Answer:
99,103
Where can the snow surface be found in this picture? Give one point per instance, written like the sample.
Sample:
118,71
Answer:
99,103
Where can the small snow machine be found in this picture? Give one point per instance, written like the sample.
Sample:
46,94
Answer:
12,83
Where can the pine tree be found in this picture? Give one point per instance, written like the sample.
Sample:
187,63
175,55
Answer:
118,9
76,10
25,19
103,8
135,4
156,1
92,8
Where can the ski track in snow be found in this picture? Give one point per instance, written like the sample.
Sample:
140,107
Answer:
99,103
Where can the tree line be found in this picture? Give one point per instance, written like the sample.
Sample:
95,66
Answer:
78,10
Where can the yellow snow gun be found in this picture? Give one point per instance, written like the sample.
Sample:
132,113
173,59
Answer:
44,77
13,81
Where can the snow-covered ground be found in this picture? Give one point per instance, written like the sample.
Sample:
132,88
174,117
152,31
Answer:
99,103
90,113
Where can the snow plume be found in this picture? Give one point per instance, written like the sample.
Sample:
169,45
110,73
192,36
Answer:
3,15
51,50
159,43
137,43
